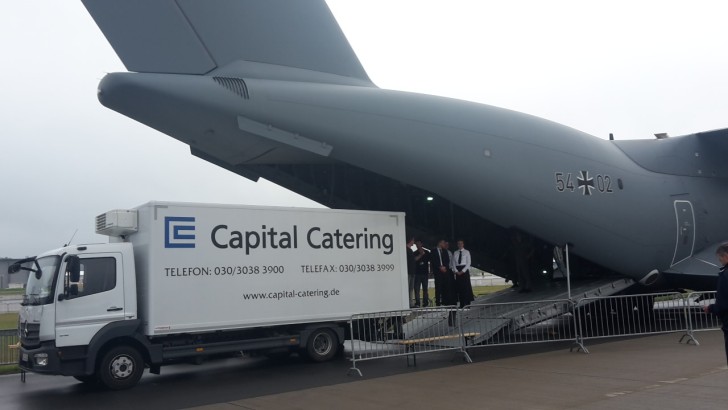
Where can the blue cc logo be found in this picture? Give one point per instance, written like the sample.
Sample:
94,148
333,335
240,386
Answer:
179,232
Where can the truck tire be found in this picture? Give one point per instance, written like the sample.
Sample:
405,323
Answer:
121,368
322,345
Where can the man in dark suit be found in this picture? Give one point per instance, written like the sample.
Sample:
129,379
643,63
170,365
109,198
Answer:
422,269
440,262
411,271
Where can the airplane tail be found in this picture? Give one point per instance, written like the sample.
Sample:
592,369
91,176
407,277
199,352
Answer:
277,39
696,155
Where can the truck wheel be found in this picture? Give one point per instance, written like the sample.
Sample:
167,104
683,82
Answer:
90,379
322,345
121,368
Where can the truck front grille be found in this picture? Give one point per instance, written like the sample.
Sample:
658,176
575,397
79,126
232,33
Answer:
30,334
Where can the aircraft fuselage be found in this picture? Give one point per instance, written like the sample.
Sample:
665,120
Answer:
512,169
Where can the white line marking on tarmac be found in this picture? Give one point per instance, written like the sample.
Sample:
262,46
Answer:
618,393
653,386
708,373
682,379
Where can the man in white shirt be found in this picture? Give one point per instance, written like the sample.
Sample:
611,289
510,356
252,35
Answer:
461,267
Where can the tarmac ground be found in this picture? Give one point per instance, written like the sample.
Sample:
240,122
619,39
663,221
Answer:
650,372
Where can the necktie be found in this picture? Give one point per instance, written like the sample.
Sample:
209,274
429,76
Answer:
439,253
460,258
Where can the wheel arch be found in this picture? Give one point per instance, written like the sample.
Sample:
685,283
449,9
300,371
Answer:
337,328
120,333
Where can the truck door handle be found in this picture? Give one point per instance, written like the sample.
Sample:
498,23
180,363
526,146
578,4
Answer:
114,309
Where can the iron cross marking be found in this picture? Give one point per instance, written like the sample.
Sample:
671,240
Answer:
585,183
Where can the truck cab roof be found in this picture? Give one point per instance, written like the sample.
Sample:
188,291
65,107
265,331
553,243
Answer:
88,248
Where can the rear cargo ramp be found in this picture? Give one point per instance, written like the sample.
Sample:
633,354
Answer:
508,316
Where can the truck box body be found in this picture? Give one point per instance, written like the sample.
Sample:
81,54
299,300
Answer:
183,281
202,268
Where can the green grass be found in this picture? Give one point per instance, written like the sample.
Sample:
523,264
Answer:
18,291
9,320
9,369
486,290
673,297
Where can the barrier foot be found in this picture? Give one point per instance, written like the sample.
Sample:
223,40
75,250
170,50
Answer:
414,360
354,370
461,354
579,346
466,357
690,338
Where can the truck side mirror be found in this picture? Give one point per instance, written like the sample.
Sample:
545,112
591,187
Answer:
73,267
18,266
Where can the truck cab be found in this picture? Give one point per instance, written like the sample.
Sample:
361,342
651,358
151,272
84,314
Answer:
76,298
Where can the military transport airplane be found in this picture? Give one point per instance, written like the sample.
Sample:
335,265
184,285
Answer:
272,89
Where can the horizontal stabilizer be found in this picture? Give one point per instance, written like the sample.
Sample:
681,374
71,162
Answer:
199,36
715,136
697,155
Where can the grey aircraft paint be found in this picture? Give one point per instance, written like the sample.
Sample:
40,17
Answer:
260,85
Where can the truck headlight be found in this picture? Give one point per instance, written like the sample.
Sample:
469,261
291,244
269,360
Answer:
41,359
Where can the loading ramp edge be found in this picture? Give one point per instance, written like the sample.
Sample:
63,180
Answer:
521,310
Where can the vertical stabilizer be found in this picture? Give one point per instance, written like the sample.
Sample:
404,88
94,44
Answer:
199,36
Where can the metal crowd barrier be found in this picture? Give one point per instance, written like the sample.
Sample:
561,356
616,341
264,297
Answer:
636,315
697,320
406,333
520,322
8,338
9,306
630,315
416,331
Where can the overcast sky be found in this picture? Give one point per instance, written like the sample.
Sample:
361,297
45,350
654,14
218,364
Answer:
632,68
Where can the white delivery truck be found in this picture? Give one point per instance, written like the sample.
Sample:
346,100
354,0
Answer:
188,281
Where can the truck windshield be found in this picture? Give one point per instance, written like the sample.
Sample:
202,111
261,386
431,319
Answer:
40,291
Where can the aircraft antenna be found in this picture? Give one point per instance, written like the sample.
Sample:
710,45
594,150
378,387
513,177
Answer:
72,236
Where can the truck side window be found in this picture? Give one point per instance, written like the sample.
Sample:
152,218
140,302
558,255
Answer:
97,275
